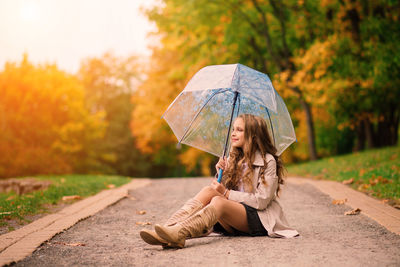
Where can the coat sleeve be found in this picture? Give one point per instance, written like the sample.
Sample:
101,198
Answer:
264,193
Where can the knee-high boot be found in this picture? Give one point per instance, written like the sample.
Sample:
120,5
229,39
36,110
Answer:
194,226
189,208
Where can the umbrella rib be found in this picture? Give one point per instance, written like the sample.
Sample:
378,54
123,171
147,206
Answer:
197,114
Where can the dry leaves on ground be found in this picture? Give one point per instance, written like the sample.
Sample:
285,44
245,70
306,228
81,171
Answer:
111,186
363,187
143,223
349,181
353,212
10,198
140,212
69,198
339,201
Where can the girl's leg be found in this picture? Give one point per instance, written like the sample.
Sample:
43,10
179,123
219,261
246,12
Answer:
206,194
230,214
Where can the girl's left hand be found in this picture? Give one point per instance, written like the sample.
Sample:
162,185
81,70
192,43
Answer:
218,186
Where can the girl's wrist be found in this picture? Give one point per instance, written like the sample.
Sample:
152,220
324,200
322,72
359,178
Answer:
226,191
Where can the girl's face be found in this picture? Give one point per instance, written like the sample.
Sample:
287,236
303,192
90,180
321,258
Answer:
237,137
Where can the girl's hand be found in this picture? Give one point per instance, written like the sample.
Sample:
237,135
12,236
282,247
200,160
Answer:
221,164
217,186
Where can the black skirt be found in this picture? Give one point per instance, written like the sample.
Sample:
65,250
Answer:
255,226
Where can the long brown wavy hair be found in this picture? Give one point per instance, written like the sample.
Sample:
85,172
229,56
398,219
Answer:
256,137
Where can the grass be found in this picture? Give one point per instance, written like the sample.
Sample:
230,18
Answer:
375,172
17,207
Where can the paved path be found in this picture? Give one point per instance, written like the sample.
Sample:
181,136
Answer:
327,236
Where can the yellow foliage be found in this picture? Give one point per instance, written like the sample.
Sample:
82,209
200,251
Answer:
46,123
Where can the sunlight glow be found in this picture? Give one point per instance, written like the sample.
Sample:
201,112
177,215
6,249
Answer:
30,12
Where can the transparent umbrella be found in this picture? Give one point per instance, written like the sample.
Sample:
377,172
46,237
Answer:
201,115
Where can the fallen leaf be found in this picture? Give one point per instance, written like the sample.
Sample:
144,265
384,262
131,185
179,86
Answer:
395,168
19,206
141,212
75,244
331,160
382,180
339,201
10,198
62,180
393,157
384,201
349,181
319,177
111,186
363,187
353,212
361,173
130,197
143,223
29,196
68,198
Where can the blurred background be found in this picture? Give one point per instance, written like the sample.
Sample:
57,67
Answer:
83,84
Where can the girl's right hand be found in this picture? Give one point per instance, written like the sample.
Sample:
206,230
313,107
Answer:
221,164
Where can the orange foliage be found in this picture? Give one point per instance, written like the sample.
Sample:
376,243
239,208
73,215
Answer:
43,120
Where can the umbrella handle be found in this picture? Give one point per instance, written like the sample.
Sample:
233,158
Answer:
220,175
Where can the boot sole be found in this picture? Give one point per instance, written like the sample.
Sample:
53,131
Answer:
150,239
164,235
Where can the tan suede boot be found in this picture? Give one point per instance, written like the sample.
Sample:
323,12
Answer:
189,208
195,226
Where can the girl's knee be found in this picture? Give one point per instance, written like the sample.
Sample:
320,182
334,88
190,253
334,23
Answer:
218,202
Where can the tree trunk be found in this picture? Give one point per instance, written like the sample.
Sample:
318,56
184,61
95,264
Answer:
387,133
369,133
360,132
310,129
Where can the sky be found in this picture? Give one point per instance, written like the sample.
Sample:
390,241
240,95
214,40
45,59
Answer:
66,31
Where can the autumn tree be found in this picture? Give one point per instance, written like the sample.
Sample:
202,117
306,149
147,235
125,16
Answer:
45,126
109,82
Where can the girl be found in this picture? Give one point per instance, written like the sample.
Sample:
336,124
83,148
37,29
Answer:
244,203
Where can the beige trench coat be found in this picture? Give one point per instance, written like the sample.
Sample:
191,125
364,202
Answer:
263,198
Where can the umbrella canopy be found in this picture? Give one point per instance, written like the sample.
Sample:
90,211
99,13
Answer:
202,113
